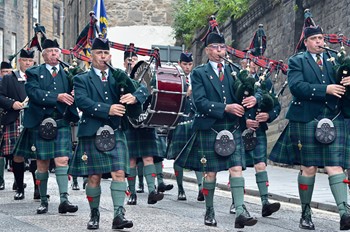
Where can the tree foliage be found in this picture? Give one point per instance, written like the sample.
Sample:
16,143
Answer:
191,15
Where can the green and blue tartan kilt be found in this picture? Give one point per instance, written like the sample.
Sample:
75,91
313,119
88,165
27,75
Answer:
259,154
161,147
98,162
10,137
142,142
201,144
178,139
282,151
312,152
31,146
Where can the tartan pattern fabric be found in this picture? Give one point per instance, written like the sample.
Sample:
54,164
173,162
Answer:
282,151
334,38
141,142
319,61
178,139
161,145
201,145
100,162
313,153
54,71
259,154
10,137
44,149
221,73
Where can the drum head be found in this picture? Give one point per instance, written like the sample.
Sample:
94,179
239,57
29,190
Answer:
142,71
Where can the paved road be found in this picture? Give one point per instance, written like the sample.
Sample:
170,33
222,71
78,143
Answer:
168,215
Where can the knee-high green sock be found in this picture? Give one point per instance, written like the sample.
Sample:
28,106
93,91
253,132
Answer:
159,172
42,178
199,176
93,195
339,191
306,188
118,195
237,190
179,174
131,180
208,191
62,182
140,172
2,168
263,182
75,180
150,174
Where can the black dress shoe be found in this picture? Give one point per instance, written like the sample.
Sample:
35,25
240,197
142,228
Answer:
181,196
19,195
140,188
305,220
244,219
75,186
164,187
94,222
270,208
232,209
200,196
132,199
2,186
42,208
67,207
345,222
119,222
209,218
153,197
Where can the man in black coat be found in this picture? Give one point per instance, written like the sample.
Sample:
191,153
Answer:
13,99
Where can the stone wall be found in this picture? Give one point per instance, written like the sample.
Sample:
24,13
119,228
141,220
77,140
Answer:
11,23
119,13
283,22
139,12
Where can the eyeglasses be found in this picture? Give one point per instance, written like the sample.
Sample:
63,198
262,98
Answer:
216,46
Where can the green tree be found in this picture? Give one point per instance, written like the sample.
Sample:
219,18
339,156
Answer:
191,15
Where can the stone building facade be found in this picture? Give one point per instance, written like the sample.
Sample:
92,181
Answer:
119,13
11,31
283,22
19,17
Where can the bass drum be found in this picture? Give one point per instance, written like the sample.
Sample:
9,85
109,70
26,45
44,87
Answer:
166,103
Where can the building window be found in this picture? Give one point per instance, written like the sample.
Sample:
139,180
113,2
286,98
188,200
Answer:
13,47
36,4
1,44
56,20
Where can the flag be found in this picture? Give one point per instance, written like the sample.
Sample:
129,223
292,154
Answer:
308,21
258,44
85,38
101,15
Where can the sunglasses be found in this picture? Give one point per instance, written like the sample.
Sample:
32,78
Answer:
216,46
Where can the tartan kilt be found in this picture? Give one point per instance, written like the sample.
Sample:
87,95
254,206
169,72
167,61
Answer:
201,144
259,154
314,153
161,147
142,142
31,146
282,151
99,162
10,137
179,137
